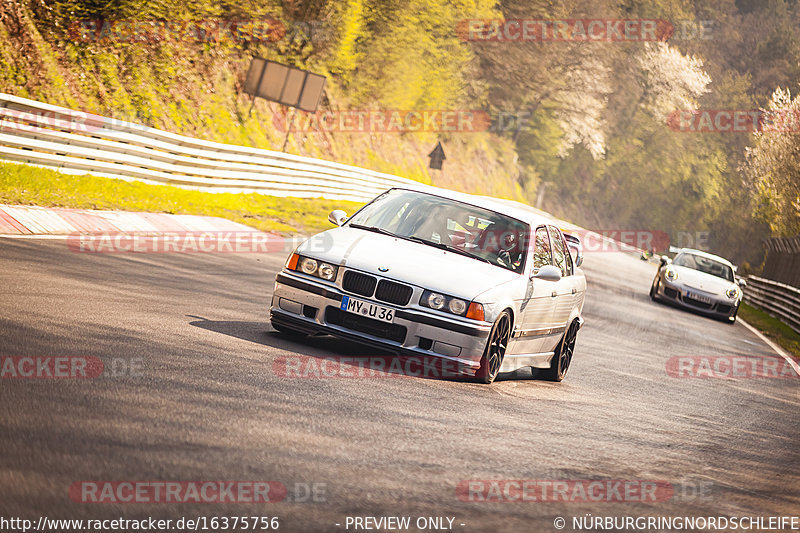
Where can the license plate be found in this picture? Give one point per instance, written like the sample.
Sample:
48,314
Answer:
367,309
698,297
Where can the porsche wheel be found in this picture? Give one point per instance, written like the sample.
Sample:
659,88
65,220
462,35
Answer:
654,289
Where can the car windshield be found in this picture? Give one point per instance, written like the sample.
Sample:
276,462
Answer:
461,228
704,264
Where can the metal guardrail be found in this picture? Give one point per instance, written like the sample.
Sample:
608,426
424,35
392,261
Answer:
75,142
778,299
783,260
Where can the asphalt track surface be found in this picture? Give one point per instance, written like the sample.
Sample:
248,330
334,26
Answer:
206,404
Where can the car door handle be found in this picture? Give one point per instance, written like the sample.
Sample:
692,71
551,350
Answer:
574,291
554,294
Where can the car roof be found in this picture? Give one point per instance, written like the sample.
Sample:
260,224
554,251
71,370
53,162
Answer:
520,211
706,255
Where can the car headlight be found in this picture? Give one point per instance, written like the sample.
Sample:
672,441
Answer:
309,266
443,302
326,271
457,306
435,300
671,274
312,267
732,292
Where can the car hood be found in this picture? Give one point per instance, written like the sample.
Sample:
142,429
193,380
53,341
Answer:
701,281
411,262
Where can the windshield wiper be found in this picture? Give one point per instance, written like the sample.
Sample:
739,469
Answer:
375,229
449,248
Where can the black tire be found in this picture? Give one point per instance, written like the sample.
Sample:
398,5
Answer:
562,358
495,350
288,333
736,312
654,289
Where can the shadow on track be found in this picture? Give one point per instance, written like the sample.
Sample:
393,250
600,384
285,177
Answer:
344,352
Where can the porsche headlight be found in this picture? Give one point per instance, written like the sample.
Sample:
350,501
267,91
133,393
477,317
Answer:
671,274
732,292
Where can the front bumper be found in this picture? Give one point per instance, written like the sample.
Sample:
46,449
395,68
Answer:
313,307
676,293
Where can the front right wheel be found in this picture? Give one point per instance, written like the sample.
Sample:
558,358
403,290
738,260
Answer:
654,289
495,349
732,319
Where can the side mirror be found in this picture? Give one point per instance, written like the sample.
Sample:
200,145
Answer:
664,260
337,216
548,273
742,283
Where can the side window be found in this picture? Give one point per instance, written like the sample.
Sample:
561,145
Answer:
570,264
559,252
541,249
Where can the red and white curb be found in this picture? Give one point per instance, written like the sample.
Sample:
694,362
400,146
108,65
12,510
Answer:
24,220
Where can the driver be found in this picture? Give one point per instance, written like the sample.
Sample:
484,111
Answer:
501,243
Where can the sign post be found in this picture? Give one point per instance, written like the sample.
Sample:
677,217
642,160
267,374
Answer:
288,86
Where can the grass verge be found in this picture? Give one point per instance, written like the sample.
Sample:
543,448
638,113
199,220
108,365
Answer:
29,185
777,331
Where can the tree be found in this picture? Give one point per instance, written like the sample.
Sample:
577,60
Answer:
773,165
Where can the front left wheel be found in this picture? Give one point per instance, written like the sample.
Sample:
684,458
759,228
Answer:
562,358
495,349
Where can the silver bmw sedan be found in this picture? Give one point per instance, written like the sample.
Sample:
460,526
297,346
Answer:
485,284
